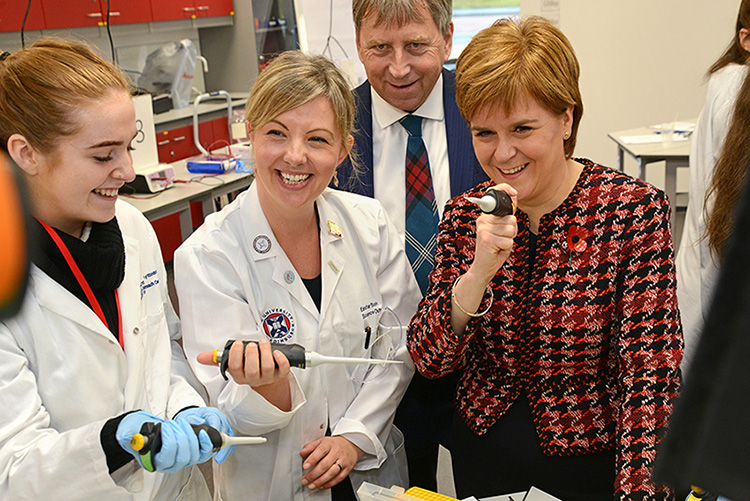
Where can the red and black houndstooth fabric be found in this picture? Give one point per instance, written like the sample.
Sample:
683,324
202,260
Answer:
591,334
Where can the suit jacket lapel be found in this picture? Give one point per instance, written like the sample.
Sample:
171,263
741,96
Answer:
461,156
363,138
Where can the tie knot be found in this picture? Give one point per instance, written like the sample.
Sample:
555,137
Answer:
412,124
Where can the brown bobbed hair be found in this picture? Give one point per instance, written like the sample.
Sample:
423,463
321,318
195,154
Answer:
514,59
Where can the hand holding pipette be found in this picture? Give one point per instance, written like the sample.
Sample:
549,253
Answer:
496,230
149,441
495,202
294,353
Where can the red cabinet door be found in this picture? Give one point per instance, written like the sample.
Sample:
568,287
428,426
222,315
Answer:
167,10
214,134
127,11
221,130
74,13
12,13
175,144
206,135
164,147
208,8
182,144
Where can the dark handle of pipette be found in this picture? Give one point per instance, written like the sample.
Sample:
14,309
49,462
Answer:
293,352
503,203
148,441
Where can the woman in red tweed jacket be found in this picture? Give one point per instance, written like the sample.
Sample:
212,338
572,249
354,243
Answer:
564,315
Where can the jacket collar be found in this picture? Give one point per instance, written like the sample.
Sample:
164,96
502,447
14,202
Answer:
264,246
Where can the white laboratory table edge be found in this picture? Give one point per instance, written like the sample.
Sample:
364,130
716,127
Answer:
675,154
177,198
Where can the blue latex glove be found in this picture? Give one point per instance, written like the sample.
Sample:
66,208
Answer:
129,426
180,447
214,418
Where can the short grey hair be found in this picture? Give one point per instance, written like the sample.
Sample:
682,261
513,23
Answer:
401,12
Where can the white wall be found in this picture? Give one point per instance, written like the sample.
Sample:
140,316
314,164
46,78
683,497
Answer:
314,18
642,62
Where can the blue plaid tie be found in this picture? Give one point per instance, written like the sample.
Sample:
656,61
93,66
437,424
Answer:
421,208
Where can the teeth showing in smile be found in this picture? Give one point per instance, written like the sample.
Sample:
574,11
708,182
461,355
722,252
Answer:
111,192
293,178
515,169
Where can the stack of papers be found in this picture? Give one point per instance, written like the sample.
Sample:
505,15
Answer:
681,132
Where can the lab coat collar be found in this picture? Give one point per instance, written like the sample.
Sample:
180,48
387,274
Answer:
331,239
260,239
54,297
386,115
263,245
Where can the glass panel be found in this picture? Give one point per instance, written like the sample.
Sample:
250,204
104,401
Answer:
472,16
275,29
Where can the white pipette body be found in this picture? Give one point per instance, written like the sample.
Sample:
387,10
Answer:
313,359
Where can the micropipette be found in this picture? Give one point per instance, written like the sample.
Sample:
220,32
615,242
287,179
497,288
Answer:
148,441
297,357
495,202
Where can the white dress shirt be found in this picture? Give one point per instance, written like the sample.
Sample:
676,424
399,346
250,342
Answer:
389,153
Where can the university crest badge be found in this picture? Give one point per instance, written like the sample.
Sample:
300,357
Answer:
278,324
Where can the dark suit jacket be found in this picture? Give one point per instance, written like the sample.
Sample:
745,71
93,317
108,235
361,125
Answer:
465,171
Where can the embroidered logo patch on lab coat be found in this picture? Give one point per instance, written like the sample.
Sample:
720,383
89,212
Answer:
278,325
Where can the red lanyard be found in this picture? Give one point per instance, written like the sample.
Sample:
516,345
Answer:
83,283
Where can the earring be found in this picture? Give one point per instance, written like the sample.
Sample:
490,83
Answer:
336,178
566,136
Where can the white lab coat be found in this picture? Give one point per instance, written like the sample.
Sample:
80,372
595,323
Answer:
697,268
63,375
235,282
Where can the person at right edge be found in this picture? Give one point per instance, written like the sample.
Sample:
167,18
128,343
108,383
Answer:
563,315
409,98
697,264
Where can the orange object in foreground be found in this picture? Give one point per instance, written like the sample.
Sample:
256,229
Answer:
14,258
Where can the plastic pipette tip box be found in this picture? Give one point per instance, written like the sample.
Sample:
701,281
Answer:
371,492
419,493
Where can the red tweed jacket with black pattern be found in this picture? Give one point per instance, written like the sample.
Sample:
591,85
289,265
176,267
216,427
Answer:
591,334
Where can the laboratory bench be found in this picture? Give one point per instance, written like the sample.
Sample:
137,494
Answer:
646,147
177,211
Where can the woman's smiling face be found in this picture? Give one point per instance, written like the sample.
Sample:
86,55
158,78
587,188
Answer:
77,182
296,155
523,148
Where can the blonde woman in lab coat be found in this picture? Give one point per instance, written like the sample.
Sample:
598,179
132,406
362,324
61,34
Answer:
293,261
88,359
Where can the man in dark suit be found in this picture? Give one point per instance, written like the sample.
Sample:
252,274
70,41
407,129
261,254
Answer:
403,45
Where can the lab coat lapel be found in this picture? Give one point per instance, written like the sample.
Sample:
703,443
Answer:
59,301
332,262
130,304
263,245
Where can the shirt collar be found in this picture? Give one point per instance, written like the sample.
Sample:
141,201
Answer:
432,109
